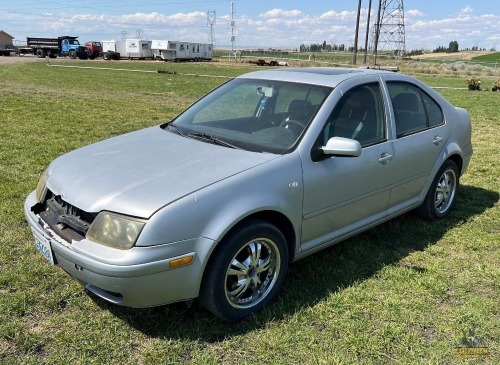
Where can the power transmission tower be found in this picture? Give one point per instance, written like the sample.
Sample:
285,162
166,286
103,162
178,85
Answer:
211,20
389,28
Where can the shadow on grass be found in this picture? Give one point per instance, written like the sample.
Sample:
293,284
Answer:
314,278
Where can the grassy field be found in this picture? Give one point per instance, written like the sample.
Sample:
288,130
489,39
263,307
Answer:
407,292
492,57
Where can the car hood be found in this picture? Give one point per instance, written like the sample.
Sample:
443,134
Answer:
140,172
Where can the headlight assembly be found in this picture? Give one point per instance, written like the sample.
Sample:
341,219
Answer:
115,230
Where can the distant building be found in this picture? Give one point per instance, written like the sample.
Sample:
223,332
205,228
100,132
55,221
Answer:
6,40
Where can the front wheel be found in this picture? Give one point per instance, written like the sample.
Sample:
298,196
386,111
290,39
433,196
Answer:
72,54
442,193
246,271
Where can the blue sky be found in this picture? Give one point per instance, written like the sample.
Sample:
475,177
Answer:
259,23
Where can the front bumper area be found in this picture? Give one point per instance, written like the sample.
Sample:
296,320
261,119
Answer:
138,277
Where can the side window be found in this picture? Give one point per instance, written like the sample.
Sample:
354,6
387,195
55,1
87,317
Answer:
358,115
434,113
414,110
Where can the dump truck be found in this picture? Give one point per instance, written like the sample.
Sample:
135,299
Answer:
53,47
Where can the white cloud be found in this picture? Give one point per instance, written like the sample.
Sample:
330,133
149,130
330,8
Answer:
280,13
179,18
467,10
414,13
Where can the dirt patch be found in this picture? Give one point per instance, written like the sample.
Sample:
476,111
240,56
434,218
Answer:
467,55
20,59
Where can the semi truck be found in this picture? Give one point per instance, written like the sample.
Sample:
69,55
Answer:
95,50
53,47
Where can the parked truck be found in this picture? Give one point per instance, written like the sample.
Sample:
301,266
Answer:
53,47
94,49
102,49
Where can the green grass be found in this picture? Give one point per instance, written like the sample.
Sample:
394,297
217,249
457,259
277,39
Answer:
492,57
405,292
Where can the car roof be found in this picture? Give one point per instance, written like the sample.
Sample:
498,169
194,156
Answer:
326,76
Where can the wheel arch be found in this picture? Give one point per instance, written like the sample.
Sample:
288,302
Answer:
279,220
458,161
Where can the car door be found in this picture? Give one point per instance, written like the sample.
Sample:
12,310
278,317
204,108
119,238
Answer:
420,135
342,194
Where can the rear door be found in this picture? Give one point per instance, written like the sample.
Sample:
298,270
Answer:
419,138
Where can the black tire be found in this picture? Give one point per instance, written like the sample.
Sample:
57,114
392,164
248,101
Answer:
246,271
72,54
106,56
442,193
40,53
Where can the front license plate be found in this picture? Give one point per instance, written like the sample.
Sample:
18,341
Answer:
42,244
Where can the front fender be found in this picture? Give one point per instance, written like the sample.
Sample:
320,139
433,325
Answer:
212,211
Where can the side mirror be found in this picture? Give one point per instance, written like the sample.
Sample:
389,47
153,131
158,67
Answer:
339,146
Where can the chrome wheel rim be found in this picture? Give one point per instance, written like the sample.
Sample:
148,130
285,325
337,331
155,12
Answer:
445,191
252,273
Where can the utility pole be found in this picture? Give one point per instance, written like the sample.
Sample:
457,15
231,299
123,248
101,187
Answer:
355,51
377,32
367,31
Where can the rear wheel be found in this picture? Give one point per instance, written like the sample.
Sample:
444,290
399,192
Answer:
246,271
442,193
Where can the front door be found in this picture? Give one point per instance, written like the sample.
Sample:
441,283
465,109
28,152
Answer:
342,194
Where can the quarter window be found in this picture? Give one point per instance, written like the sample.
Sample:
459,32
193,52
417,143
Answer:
414,110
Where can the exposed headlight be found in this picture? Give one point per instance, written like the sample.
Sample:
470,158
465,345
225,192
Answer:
115,230
41,188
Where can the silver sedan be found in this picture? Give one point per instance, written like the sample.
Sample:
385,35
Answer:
268,168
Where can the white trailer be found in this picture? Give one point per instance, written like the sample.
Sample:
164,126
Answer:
109,50
181,51
129,48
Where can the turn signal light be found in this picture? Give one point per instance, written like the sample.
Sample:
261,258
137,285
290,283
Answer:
186,260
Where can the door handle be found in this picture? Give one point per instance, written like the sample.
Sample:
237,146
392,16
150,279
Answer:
437,140
385,158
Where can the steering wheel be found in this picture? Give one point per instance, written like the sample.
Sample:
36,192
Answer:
293,125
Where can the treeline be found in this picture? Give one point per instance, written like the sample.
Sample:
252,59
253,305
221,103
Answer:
452,48
322,47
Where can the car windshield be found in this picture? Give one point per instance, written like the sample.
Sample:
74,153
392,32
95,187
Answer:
255,115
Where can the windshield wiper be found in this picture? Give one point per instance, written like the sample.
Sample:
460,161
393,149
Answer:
214,140
175,128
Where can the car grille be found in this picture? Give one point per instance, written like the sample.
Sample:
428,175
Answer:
66,220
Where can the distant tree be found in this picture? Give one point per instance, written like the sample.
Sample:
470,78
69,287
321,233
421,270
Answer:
415,52
440,49
453,47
